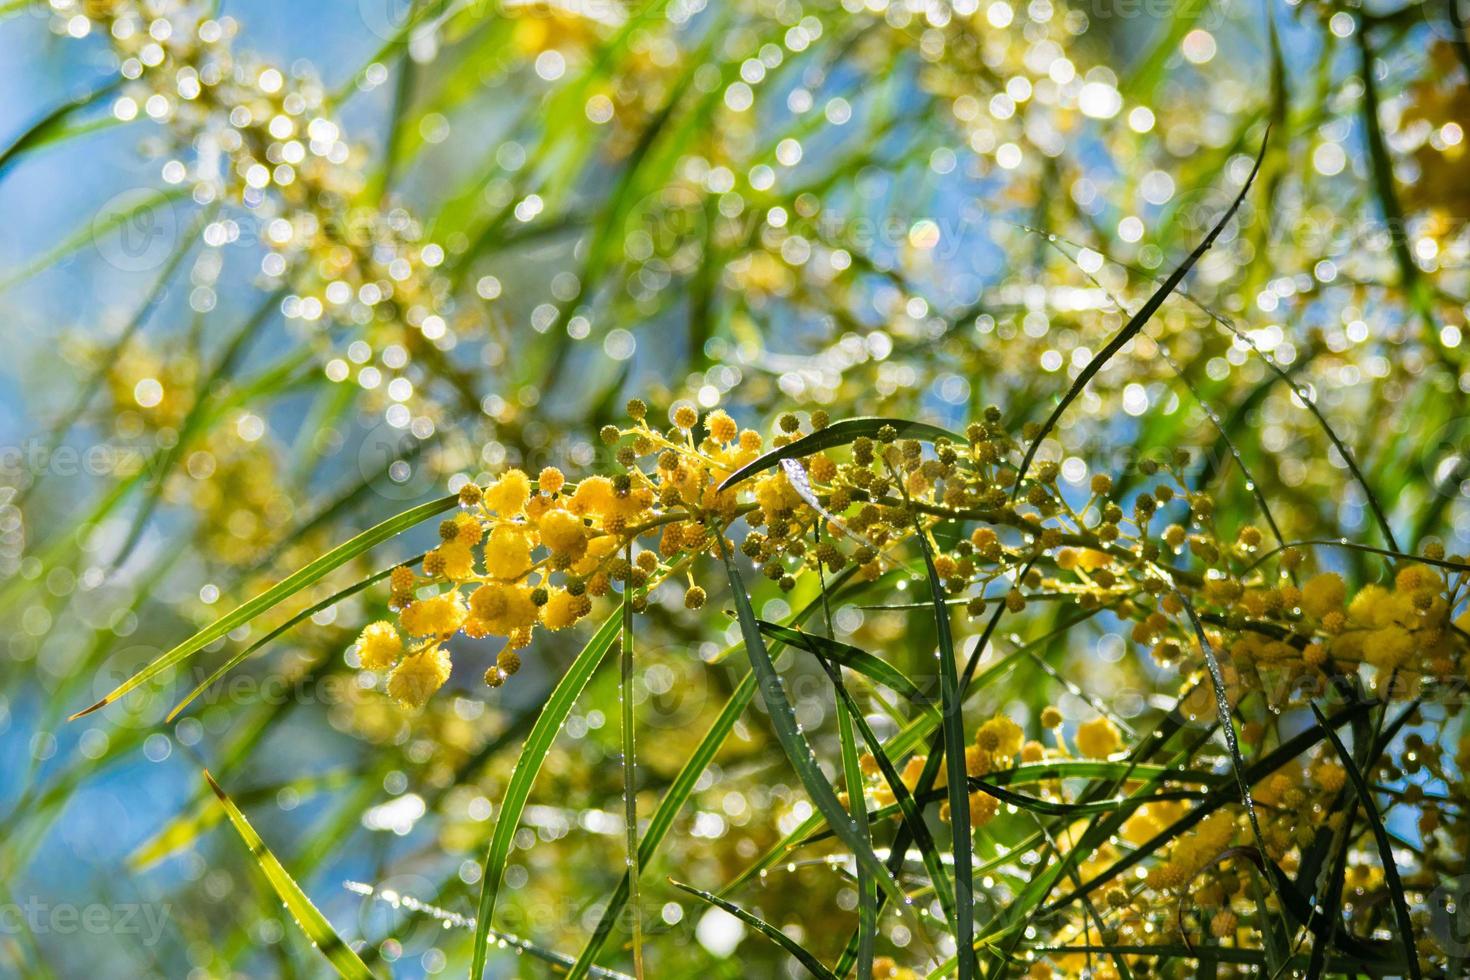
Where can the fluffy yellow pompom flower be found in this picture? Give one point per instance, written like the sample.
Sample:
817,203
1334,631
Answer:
594,496
983,808
459,561
1370,606
551,480
415,680
501,610
722,428
1323,594
561,609
1416,578
564,533
1330,776
439,615
1000,737
1098,739
469,530
379,646
1388,648
508,495
507,553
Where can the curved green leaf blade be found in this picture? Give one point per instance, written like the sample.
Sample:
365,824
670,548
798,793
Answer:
312,922
307,576
798,750
528,766
763,927
837,434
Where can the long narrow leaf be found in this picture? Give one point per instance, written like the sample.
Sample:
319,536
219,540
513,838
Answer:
346,962
763,927
793,742
1385,847
871,667
283,590
528,766
837,434
663,817
1137,322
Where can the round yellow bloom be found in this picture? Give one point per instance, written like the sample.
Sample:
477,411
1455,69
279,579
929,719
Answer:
551,480
1098,739
561,610
563,532
1000,737
722,428
439,615
469,530
594,497
500,610
1372,606
415,680
1330,776
1416,578
507,496
983,808
379,646
1323,594
775,493
1389,648
457,559
507,553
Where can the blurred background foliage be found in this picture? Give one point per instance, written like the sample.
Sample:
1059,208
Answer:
499,222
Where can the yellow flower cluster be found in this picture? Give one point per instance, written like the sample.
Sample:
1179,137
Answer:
1192,852
525,553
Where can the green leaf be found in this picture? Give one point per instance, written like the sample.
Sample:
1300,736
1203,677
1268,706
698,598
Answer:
663,818
528,766
1137,322
285,627
313,923
1385,847
56,125
903,800
1454,566
835,651
186,828
837,434
278,593
852,778
794,743
952,725
95,230
763,927
1227,723
630,771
